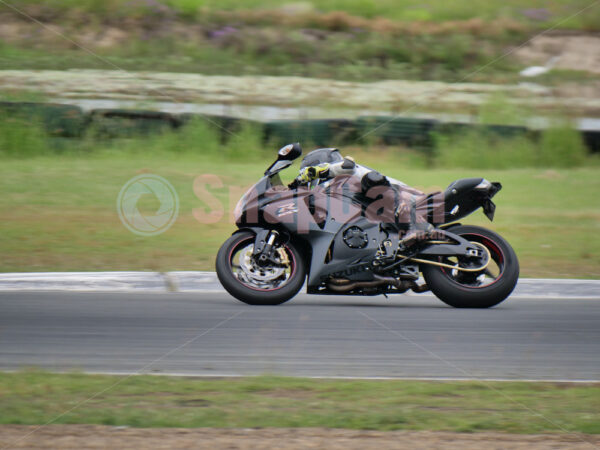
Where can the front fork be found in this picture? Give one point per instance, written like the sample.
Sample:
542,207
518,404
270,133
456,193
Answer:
263,247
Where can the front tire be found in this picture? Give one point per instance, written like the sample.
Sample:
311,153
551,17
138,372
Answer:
255,285
480,289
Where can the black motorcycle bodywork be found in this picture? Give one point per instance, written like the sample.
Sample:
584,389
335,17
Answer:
346,248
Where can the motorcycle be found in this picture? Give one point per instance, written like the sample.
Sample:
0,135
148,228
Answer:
344,236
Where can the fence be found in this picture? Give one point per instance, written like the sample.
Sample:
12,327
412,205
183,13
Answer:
71,121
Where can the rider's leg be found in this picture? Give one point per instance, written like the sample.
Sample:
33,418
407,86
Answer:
418,228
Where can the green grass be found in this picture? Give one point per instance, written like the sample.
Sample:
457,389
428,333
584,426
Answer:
149,401
58,210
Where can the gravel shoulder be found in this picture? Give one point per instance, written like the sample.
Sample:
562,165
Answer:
93,437
389,95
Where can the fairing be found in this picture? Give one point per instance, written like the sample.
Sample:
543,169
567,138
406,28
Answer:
319,217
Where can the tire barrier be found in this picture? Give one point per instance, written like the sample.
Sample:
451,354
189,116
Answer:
321,133
505,131
591,139
224,125
128,123
390,130
71,121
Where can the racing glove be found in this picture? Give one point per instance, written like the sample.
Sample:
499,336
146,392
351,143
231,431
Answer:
311,173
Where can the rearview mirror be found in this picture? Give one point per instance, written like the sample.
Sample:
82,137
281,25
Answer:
285,156
290,152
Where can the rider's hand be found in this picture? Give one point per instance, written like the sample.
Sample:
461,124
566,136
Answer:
311,173
307,175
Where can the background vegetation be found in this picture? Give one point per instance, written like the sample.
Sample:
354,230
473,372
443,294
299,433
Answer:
58,207
406,11
342,39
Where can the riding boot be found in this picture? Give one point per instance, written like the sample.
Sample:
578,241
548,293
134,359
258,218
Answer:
416,233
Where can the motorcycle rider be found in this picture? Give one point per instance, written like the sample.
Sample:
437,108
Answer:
322,165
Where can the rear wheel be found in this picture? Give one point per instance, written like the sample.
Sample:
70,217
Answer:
249,282
476,289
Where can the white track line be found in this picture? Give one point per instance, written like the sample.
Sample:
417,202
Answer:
207,282
318,377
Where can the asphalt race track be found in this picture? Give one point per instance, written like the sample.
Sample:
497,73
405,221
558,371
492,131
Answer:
213,334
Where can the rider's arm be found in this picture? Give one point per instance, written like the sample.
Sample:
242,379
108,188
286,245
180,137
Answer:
345,167
324,171
309,174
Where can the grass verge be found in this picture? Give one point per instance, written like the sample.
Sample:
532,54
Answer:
149,401
58,211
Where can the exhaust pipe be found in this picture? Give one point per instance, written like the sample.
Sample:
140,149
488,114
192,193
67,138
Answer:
345,285
419,288
342,285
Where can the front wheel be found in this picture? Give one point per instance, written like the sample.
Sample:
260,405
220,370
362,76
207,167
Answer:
255,284
482,289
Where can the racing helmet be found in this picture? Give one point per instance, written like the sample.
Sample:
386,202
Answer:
320,156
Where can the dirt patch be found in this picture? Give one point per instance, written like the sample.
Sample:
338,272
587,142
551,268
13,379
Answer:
93,437
563,51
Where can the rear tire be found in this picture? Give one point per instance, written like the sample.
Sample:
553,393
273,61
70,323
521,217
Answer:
460,293
258,295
